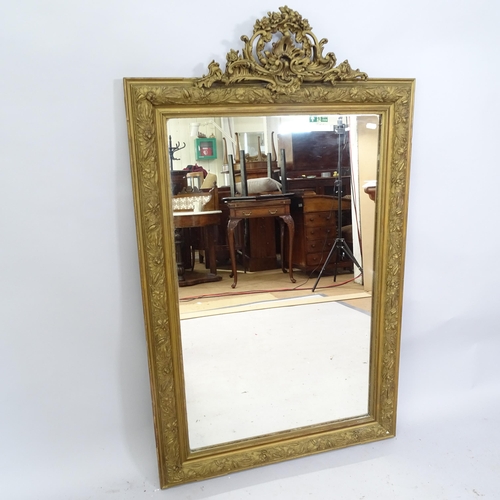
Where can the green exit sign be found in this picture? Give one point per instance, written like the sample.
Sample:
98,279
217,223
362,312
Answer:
318,119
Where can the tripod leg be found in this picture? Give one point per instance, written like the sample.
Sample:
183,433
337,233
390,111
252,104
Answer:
334,246
347,250
336,267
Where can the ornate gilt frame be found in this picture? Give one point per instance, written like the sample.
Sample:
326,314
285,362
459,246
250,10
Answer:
291,75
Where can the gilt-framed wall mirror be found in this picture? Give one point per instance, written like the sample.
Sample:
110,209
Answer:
270,201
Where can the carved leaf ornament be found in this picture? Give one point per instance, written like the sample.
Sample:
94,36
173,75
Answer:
283,52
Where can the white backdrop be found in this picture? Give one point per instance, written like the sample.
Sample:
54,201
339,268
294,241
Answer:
75,410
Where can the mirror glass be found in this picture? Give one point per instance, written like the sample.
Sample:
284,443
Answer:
272,355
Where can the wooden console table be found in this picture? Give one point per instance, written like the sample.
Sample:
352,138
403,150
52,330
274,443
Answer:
260,207
208,222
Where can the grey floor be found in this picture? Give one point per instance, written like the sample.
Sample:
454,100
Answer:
258,372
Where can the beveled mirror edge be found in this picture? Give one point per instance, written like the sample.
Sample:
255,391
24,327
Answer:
146,100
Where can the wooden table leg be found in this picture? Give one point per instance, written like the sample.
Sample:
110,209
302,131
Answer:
291,230
209,237
178,254
282,241
231,226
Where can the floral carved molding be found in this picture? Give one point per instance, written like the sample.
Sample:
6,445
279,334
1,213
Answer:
283,53
147,98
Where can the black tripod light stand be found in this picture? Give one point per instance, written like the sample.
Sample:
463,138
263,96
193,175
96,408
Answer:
339,244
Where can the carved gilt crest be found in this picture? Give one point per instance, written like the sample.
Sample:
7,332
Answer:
283,52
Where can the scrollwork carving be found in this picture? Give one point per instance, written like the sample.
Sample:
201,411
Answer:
283,53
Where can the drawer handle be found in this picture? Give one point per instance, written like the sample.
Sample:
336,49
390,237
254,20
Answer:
273,212
247,214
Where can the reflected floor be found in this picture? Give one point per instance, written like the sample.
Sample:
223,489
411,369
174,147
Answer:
253,373
246,377
265,289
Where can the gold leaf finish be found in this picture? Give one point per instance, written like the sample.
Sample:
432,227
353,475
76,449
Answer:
149,103
283,52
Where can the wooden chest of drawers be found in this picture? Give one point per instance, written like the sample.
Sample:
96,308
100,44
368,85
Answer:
315,218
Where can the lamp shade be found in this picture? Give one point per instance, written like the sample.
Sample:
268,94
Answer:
195,127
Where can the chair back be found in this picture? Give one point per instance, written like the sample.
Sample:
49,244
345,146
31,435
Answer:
194,180
263,185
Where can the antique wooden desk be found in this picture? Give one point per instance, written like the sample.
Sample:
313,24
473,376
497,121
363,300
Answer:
207,221
261,207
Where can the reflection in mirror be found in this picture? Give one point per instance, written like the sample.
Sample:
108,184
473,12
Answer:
271,355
